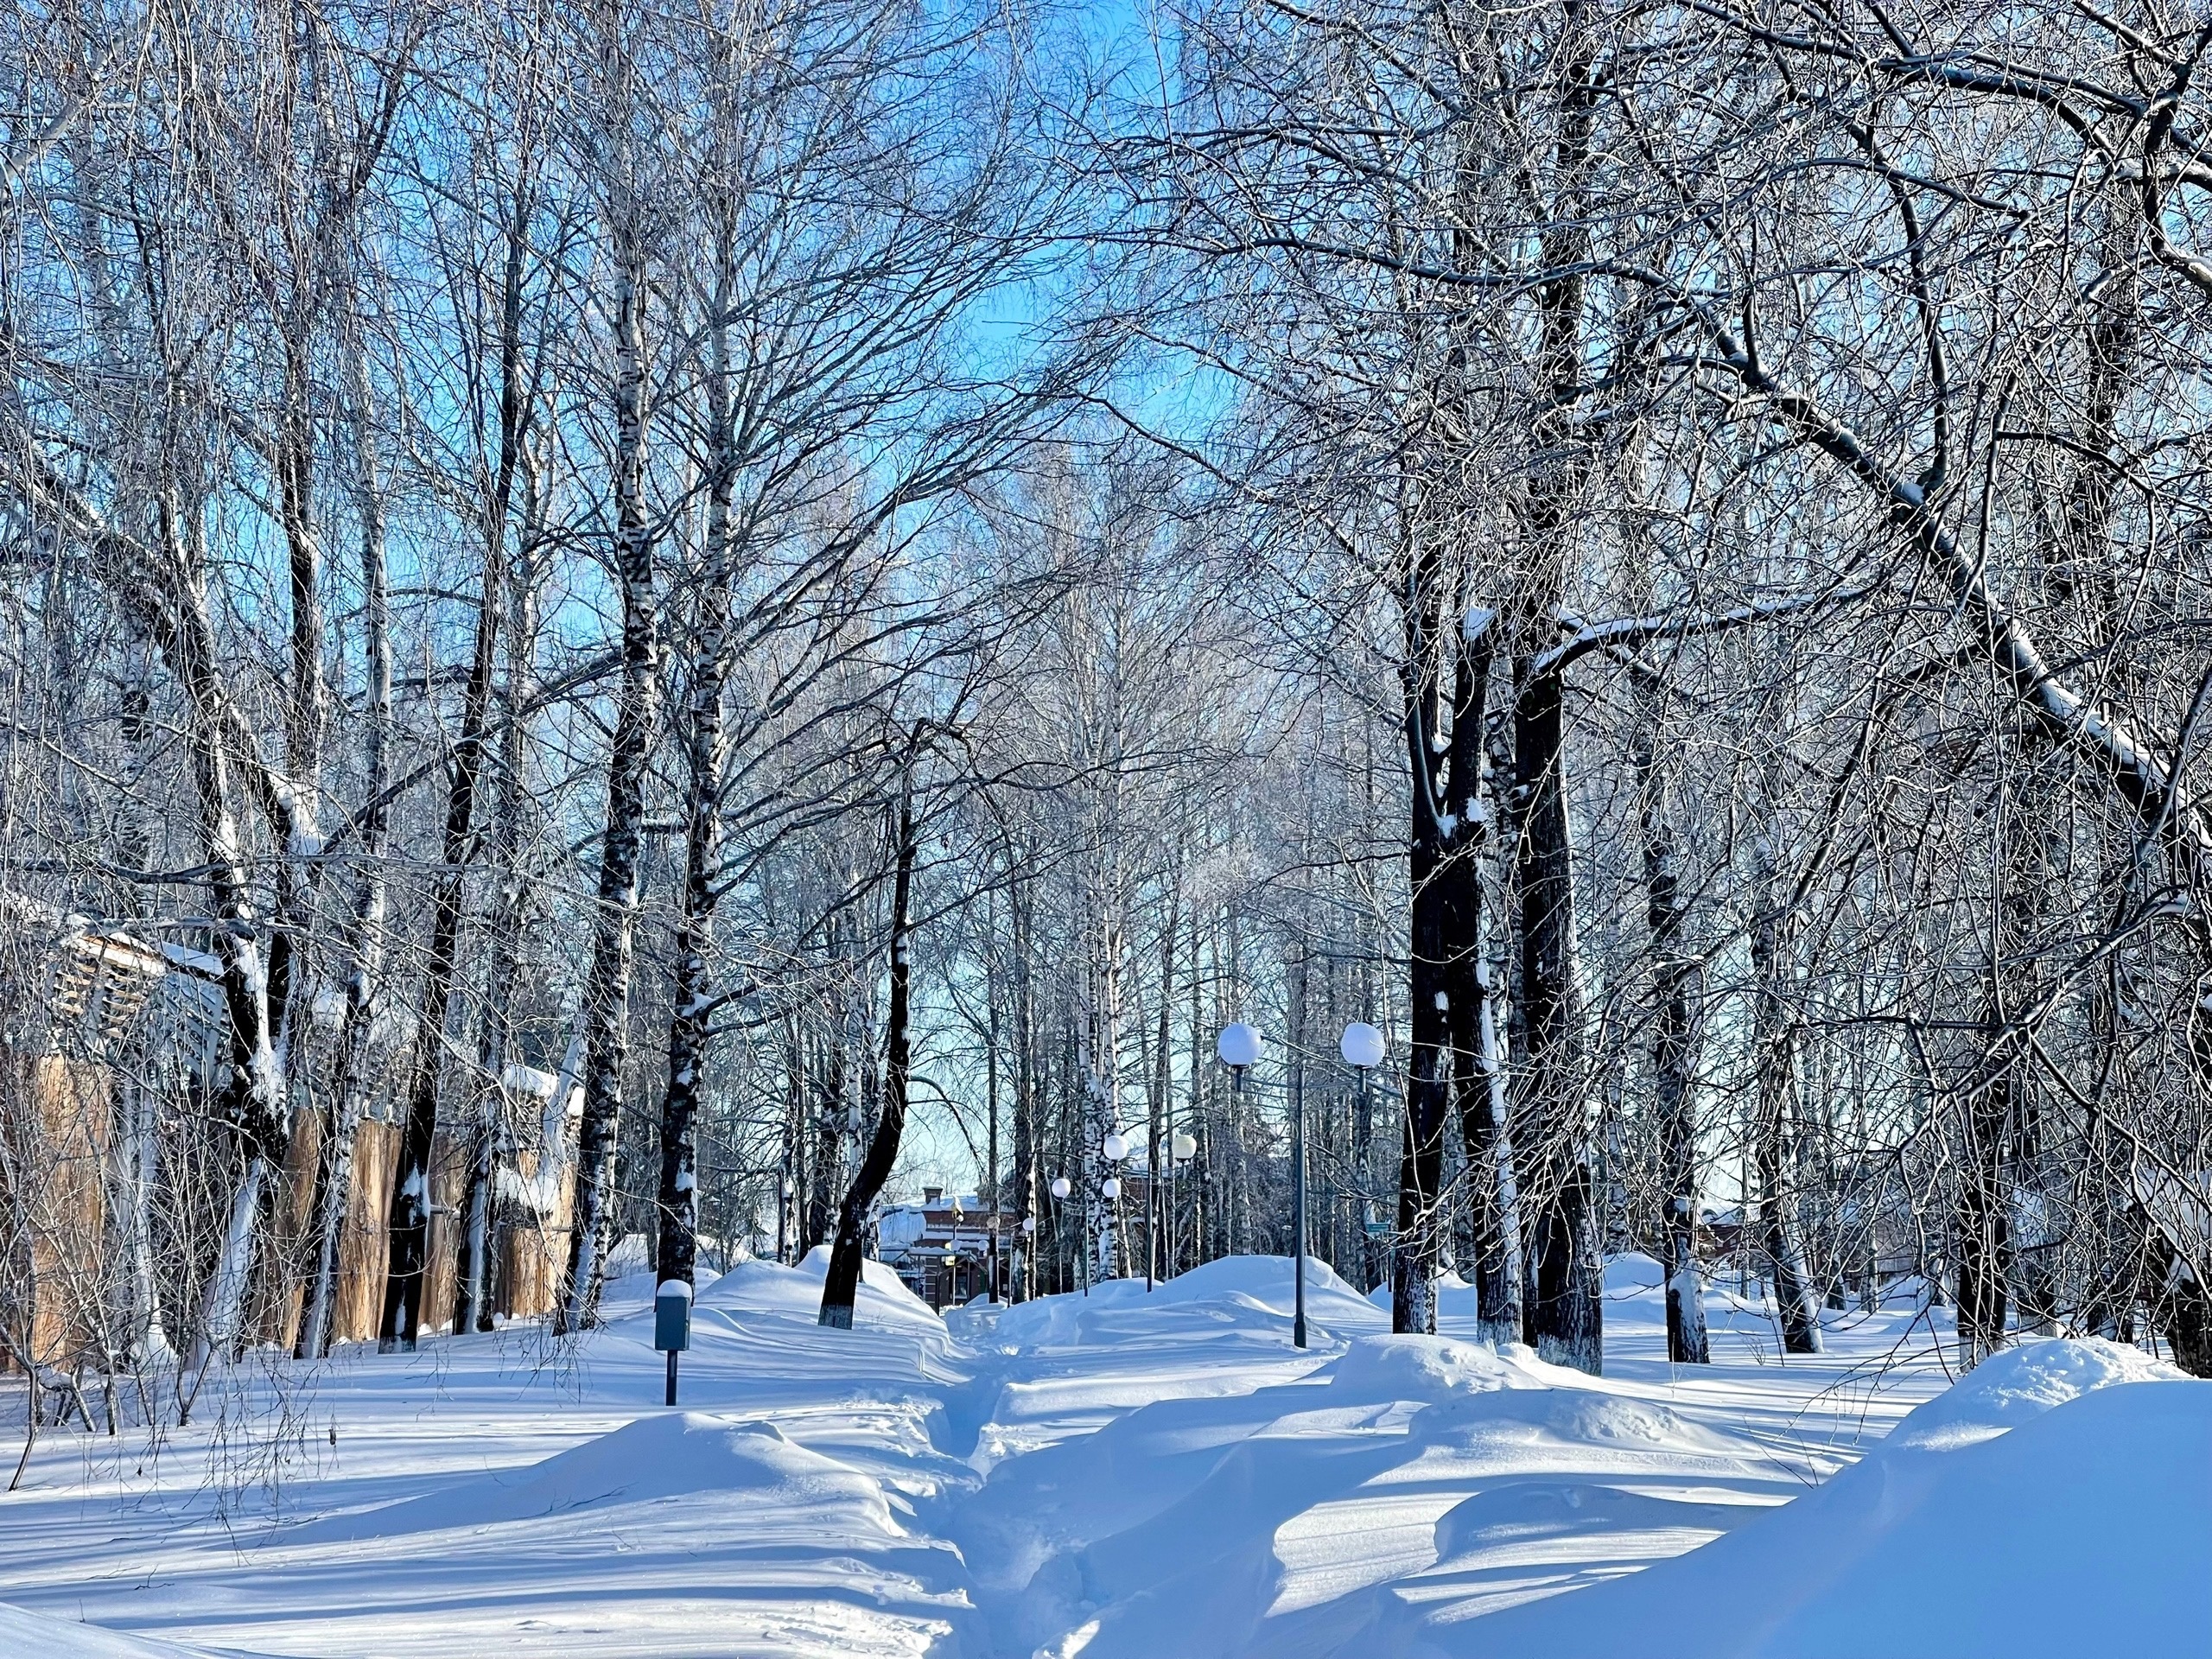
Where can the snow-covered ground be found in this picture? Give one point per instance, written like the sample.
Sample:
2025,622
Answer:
1127,1474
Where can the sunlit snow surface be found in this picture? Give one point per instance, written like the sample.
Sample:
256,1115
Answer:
1132,1473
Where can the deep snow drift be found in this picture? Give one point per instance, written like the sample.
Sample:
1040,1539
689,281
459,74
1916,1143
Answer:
28,1634
1133,1473
2032,1509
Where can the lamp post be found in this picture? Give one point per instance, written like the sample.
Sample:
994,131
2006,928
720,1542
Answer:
1182,1147
1115,1146
1239,1048
1297,1215
1061,1188
1362,1047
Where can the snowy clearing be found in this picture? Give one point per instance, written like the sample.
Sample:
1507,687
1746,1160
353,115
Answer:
1127,1474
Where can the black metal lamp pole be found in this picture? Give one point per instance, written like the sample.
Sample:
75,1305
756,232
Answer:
1298,1213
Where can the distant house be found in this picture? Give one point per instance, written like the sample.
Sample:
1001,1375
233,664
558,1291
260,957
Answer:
113,1048
941,1248
100,1024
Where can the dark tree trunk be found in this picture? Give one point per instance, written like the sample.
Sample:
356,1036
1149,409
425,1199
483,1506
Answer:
1421,1164
840,1285
1997,1104
991,1194
409,1217
503,950
403,1290
705,750
1676,987
1200,1130
1564,1281
795,1158
607,997
1982,1241
1564,1318
1478,1084
2180,1306
1159,1128
1024,1097
1774,1044
829,1118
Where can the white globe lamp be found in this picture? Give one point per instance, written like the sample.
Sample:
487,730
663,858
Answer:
1238,1046
1361,1046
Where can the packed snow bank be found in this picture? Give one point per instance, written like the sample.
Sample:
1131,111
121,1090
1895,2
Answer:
2021,1384
675,1534
1465,1393
1242,1294
771,1288
1430,1369
23,1633
670,1456
2034,1508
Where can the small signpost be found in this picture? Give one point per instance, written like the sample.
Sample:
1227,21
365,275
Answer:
672,1325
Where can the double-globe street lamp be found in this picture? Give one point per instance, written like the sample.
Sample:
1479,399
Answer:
1362,1047
1115,1146
1239,1048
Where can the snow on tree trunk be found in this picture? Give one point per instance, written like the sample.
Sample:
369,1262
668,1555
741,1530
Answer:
149,1341
1507,1324
1097,1121
1099,1059
1159,1103
1477,1081
253,1103
503,930
223,1321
